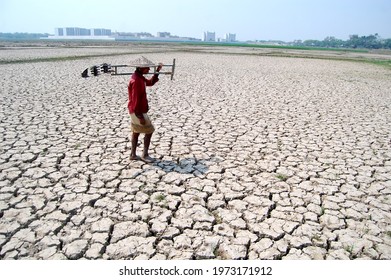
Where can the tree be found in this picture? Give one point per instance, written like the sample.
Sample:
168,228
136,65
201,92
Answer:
387,44
367,42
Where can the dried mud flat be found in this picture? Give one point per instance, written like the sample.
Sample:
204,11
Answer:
258,158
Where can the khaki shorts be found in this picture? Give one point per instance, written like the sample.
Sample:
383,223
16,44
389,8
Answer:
137,127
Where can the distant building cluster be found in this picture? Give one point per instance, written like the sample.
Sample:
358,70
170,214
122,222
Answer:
160,36
81,33
77,33
211,37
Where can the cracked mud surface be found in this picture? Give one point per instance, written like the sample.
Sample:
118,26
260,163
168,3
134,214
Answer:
258,158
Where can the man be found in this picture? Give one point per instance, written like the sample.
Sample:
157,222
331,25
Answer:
138,106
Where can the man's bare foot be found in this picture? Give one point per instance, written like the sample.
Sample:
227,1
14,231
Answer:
134,157
147,159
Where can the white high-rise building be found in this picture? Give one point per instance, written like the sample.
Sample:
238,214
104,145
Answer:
59,31
100,32
209,36
230,37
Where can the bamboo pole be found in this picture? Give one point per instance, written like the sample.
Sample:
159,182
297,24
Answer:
117,73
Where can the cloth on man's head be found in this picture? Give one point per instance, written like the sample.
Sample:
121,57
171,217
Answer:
142,62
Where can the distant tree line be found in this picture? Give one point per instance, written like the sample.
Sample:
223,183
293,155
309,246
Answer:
355,41
22,36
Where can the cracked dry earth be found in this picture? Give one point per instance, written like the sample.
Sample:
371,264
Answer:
258,158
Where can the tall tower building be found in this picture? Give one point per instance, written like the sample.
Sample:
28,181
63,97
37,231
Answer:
209,36
230,37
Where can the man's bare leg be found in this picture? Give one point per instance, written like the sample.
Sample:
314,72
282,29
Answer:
133,155
147,142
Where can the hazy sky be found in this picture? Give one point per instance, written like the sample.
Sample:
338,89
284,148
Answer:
248,19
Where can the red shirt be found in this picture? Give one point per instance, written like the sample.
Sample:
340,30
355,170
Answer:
138,102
